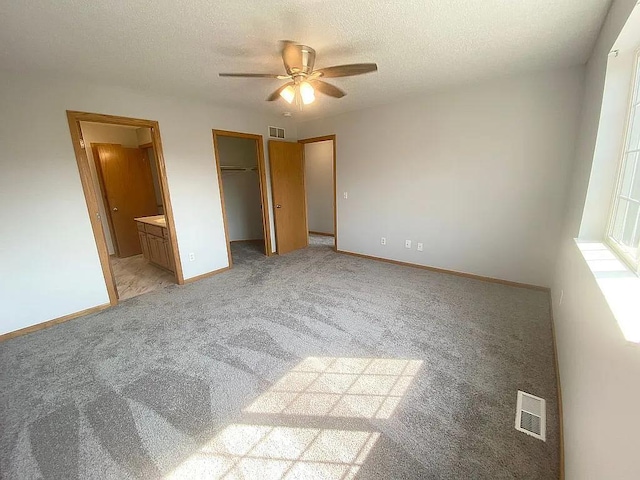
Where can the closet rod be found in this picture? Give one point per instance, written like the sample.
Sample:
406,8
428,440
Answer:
237,168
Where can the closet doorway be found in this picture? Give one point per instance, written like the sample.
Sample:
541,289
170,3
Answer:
243,194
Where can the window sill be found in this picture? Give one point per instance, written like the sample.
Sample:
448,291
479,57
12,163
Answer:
619,285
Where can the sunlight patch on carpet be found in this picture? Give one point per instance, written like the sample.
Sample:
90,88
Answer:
340,387
267,452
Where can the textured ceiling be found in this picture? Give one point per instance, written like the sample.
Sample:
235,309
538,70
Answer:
179,47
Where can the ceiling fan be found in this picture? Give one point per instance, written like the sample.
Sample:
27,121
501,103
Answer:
304,81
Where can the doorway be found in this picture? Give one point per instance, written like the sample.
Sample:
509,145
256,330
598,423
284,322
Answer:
242,182
320,189
124,181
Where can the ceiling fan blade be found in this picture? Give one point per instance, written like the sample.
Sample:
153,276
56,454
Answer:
275,95
347,70
254,75
327,89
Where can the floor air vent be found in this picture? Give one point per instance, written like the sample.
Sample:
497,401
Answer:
531,415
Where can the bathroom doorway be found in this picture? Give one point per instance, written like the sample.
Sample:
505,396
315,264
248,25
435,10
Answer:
124,181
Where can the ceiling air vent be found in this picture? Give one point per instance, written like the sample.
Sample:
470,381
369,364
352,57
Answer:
276,132
531,415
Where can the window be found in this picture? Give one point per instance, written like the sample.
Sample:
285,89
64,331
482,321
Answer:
624,223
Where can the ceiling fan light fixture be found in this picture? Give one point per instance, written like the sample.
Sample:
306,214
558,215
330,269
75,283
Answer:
307,93
288,94
303,80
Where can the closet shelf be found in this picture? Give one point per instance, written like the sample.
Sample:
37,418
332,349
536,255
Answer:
237,168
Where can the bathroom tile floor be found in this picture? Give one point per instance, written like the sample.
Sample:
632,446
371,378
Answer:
135,276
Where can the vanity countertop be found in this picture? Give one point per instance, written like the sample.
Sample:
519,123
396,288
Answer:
157,220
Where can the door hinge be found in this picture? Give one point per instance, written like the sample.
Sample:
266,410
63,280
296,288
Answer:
82,143
98,215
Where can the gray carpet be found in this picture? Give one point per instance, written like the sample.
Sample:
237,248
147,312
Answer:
184,382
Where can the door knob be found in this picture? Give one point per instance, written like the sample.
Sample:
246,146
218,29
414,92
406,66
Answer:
115,209
278,206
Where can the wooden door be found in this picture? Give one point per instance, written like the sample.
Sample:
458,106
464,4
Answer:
127,187
289,198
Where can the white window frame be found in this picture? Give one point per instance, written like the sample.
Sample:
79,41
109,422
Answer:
633,263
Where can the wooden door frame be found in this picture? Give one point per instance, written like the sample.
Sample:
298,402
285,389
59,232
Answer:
91,196
262,178
335,176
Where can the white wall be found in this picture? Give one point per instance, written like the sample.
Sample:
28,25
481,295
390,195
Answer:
101,133
48,256
241,189
599,369
477,174
318,178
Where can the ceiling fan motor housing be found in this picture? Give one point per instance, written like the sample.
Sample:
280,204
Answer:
299,59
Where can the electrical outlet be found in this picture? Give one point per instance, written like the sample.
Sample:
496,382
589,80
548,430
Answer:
345,195
192,257
407,244
420,246
383,241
